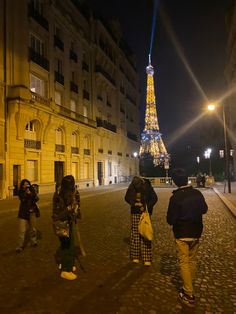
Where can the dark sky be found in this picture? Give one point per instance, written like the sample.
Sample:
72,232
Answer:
198,26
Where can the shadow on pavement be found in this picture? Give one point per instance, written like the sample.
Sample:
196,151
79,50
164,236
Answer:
169,267
105,298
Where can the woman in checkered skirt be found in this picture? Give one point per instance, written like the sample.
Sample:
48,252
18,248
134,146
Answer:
140,194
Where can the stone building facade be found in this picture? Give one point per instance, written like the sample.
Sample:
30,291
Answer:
69,97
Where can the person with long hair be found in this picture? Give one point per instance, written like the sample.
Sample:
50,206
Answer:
140,195
66,208
27,214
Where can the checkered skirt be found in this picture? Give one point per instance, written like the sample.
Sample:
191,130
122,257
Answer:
140,248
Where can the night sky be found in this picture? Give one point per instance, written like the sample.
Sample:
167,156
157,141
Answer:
198,26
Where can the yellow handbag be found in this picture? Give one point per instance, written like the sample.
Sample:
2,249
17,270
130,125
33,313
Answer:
145,226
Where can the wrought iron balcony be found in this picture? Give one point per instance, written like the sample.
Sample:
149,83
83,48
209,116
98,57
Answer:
100,150
40,99
59,78
132,136
73,56
37,16
106,125
74,150
74,87
86,151
60,148
38,58
58,43
32,144
99,69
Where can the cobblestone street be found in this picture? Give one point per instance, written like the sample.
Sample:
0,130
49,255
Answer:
30,281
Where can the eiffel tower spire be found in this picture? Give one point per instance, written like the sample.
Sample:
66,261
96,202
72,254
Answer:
152,144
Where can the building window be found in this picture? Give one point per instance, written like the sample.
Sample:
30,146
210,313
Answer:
30,133
58,66
85,111
38,6
36,44
86,170
109,168
32,170
74,139
37,85
59,137
73,105
74,170
58,98
221,153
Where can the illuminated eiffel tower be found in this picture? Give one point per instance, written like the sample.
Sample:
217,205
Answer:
152,145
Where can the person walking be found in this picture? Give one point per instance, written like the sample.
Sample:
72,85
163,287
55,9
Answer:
185,210
27,214
140,195
66,208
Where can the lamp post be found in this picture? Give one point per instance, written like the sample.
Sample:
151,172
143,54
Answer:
212,107
135,154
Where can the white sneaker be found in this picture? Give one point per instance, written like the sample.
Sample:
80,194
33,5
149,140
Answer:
68,275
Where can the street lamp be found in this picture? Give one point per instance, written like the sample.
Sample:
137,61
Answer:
207,155
212,107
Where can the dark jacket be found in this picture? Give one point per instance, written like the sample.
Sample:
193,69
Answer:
148,195
28,203
186,207
63,211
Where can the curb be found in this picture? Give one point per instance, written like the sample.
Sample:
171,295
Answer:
227,203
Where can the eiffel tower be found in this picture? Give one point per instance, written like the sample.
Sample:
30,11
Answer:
152,145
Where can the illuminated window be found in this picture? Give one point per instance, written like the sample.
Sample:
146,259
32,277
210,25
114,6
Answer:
73,105
85,111
58,98
231,152
37,85
30,133
221,153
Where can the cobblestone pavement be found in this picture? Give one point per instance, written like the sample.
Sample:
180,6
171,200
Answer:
30,281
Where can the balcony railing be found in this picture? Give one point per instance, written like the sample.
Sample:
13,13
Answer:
74,87
40,99
37,16
85,66
74,150
60,148
106,125
85,94
99,69
38,58
100,150
86,151
32,144
58,43
59,78
73,56
119,154
66,112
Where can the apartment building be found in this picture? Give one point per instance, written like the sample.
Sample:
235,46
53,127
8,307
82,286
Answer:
69,98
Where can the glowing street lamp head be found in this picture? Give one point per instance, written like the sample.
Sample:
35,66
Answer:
211,107
135,154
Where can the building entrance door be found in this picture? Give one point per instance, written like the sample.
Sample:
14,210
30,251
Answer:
100,176
16,179
58,172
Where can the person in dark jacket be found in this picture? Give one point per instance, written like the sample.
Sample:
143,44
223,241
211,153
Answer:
140,194
27,214
186,207
66,207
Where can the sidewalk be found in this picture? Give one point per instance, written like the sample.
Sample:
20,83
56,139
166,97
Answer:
229,199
